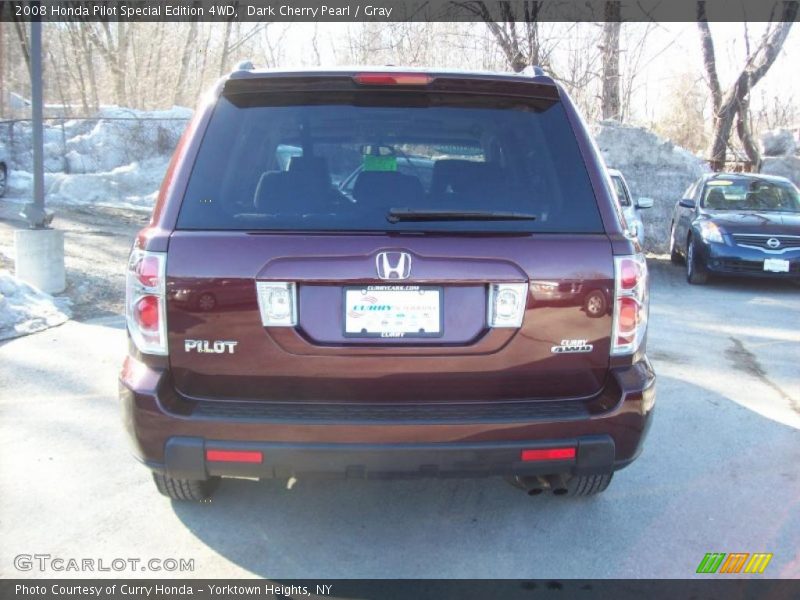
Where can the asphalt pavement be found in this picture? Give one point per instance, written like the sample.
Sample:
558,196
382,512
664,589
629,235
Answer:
719,472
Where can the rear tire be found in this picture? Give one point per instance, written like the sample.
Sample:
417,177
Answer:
588,485
674,256
194,490
696,273
3,179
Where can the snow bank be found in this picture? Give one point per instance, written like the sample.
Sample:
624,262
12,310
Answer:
778,142
781,148
24,309
654,168
118,158
112,138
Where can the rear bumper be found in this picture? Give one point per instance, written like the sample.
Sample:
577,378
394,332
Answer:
173,435
726,259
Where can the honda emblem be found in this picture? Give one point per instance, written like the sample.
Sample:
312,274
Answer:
393,265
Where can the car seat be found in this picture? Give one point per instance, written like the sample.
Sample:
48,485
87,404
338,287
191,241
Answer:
305,187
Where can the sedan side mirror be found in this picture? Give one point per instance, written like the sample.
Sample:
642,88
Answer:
644,203
687,203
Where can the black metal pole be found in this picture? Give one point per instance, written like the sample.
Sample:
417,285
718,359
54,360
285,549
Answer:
34,212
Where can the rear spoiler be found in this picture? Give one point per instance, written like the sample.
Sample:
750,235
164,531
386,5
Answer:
515,86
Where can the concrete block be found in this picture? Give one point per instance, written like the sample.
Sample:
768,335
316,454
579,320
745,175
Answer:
39,258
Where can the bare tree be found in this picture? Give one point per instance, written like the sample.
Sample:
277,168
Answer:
189,46
112,41
733,102
515,28
226,41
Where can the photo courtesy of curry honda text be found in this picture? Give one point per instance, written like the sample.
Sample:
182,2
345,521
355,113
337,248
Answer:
375,273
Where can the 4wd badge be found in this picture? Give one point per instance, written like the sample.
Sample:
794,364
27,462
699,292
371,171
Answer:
572,347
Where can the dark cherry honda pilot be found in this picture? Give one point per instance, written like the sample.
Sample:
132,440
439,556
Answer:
374,301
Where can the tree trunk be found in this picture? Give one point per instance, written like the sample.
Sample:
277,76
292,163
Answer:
223,57
90,70
188,47
745,133
611,80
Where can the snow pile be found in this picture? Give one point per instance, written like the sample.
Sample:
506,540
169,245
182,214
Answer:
781,148
654,168
24,309
117,158
112,138
778,142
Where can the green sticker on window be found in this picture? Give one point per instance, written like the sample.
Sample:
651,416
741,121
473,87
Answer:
380,163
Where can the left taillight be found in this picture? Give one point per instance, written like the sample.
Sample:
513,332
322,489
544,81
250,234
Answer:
145,301
630,304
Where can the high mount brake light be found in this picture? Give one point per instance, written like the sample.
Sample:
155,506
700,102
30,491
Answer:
392,79
631,300
145,301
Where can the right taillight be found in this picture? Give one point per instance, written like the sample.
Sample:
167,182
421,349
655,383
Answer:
630,303
145,301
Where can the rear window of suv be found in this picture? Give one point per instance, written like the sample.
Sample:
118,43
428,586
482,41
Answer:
346,165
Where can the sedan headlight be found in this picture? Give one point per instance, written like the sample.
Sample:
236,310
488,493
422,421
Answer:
710,232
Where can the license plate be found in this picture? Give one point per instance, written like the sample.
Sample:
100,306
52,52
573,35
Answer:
393,311
776,265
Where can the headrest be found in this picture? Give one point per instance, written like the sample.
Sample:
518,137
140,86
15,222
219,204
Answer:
462,176
715,199
383,187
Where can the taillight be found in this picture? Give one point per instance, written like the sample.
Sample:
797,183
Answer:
277,302
392,78
145,301
506,304
630,304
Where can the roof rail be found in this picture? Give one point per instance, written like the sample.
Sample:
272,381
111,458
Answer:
533,71
245,65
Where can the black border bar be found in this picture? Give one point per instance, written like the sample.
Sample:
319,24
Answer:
711,588
392,10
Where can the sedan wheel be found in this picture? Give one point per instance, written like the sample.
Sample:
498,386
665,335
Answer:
695,272
3,180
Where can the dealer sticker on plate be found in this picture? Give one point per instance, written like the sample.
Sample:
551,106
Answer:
393,311
776,265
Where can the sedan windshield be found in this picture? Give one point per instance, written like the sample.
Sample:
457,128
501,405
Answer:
751,194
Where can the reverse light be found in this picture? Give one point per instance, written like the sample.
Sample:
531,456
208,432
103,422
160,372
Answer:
543,454
145,301
630,304
277,301
392,79
506,304
710,232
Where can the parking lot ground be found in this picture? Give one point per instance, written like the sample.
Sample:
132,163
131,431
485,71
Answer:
719,472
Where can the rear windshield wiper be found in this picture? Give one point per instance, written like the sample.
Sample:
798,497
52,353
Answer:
395,215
